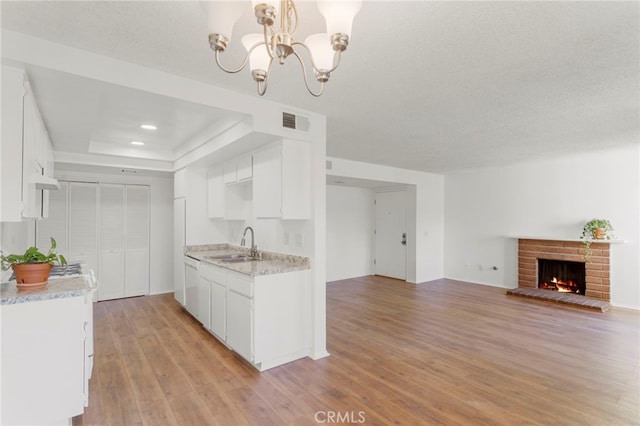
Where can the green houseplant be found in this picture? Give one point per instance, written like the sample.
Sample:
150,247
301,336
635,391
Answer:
33,267
595,229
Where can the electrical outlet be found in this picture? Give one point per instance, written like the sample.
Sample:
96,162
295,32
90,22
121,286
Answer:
299,240
285,239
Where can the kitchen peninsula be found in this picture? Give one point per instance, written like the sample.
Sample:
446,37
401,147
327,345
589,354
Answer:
47,350
255,305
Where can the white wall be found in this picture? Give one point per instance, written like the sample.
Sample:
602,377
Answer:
552,198
160,216
350,226
425,212
16,237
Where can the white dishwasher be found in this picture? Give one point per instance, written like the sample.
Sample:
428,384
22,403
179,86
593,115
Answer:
191,278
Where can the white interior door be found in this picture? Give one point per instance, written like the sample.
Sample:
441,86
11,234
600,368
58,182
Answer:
112,247
137,241
83,224
391,234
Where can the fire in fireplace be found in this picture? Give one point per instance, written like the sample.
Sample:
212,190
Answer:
562,276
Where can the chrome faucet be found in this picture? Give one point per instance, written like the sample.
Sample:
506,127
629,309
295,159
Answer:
254,249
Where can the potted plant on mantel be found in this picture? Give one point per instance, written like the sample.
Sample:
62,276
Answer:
33,267
595,229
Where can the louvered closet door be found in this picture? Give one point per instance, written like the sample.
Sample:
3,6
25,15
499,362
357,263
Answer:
83,225
137,241
56,224
112,242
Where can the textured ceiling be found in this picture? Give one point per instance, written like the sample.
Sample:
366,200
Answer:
433,86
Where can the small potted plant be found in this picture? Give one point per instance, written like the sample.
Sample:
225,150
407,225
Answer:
33,267
595,229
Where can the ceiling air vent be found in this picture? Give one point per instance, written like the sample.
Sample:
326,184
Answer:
288,120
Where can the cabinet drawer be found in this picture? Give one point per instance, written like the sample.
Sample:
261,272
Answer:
212,273
240,285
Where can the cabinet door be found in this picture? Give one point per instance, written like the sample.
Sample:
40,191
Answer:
215,193
191,288
83,224
112,247
11,160
137,241
267,182
204,303
218,310
42,361
240,324
31,136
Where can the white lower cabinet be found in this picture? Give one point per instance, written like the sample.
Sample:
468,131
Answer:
217,299
43,361
191,279
219,310
204,302
264,319
240,315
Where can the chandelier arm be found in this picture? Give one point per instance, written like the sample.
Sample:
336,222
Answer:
266,42
244,62
306,80
336,57
293,30
262,89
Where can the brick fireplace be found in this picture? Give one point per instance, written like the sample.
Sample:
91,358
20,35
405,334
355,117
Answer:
597,269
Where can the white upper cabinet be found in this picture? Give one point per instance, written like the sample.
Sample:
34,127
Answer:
281,181
11,145
26,151
238,169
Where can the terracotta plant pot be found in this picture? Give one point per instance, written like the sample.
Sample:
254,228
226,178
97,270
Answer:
32,276
600,233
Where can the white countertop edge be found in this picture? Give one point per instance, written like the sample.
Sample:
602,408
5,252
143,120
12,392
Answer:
528,237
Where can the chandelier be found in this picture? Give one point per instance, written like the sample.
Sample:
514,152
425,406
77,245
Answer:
278,43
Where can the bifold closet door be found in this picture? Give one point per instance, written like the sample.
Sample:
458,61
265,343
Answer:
83,224
112,242
137,241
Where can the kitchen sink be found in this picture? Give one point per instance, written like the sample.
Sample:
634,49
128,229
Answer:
223,256
239,259
233,258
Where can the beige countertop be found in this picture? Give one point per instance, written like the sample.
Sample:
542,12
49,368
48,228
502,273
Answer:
57,288
271,263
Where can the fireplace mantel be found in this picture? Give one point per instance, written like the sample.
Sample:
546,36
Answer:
575,240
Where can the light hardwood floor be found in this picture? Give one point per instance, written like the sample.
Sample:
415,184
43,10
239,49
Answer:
441,353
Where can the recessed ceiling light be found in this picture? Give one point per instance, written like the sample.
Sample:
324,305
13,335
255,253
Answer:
148,127
137,143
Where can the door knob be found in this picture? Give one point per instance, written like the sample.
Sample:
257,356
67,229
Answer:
404,239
